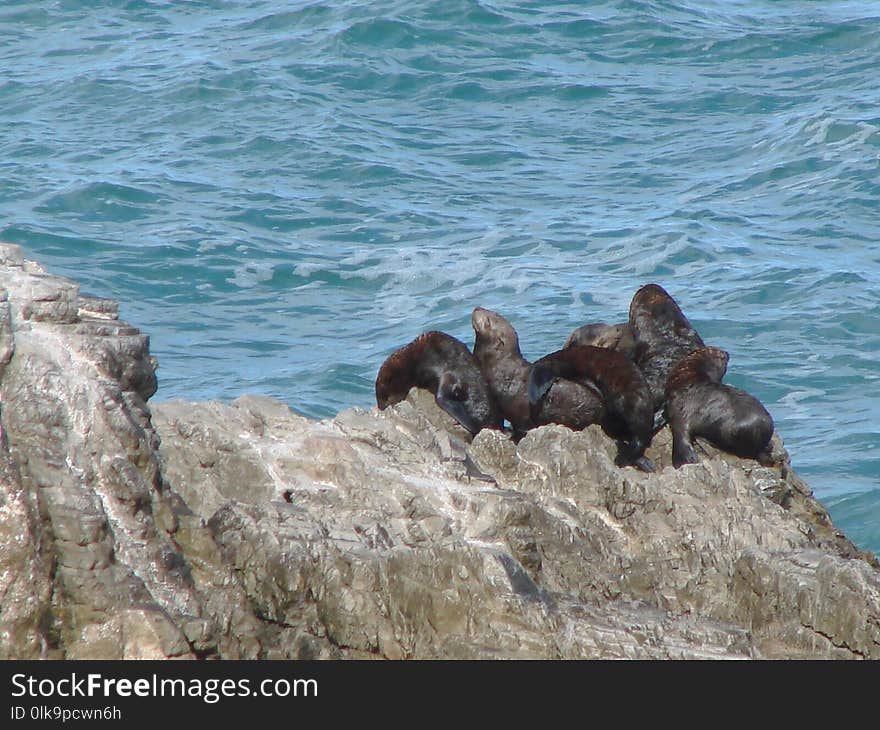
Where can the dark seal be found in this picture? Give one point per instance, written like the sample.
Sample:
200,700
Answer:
498,355
663,336
610,336
699,405
629,411
443,365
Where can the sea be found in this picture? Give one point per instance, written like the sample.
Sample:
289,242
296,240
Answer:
282,193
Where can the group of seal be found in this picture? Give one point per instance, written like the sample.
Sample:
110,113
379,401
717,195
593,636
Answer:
627,378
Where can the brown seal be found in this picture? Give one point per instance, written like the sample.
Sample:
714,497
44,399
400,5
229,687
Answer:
699,405
663,336
444,365
629,410
497,352
610,336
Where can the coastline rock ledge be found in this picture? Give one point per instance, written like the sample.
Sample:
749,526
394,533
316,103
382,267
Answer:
209,530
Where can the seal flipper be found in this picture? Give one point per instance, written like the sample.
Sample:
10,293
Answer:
682,450
541,378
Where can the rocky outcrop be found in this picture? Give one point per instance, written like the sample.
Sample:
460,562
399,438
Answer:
95,571
243,530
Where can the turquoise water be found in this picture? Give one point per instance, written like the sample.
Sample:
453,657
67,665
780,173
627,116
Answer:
280,194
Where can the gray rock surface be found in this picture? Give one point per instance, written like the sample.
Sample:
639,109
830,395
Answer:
243,530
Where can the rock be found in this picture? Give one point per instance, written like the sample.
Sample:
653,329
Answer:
84,460
243,530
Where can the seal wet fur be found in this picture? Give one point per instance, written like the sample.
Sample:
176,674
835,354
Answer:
445,366
629,411
663,336
610,336
699,405
498,355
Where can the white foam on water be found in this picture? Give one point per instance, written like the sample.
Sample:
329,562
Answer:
251,274
307,268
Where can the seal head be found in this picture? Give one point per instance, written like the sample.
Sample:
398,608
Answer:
629,411
497,352
443,365
699,405
610,336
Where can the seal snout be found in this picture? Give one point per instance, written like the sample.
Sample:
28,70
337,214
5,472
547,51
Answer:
481,319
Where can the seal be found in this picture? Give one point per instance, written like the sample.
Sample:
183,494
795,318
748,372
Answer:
629,408
445,366
498,355
611,336
699,405
663,336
